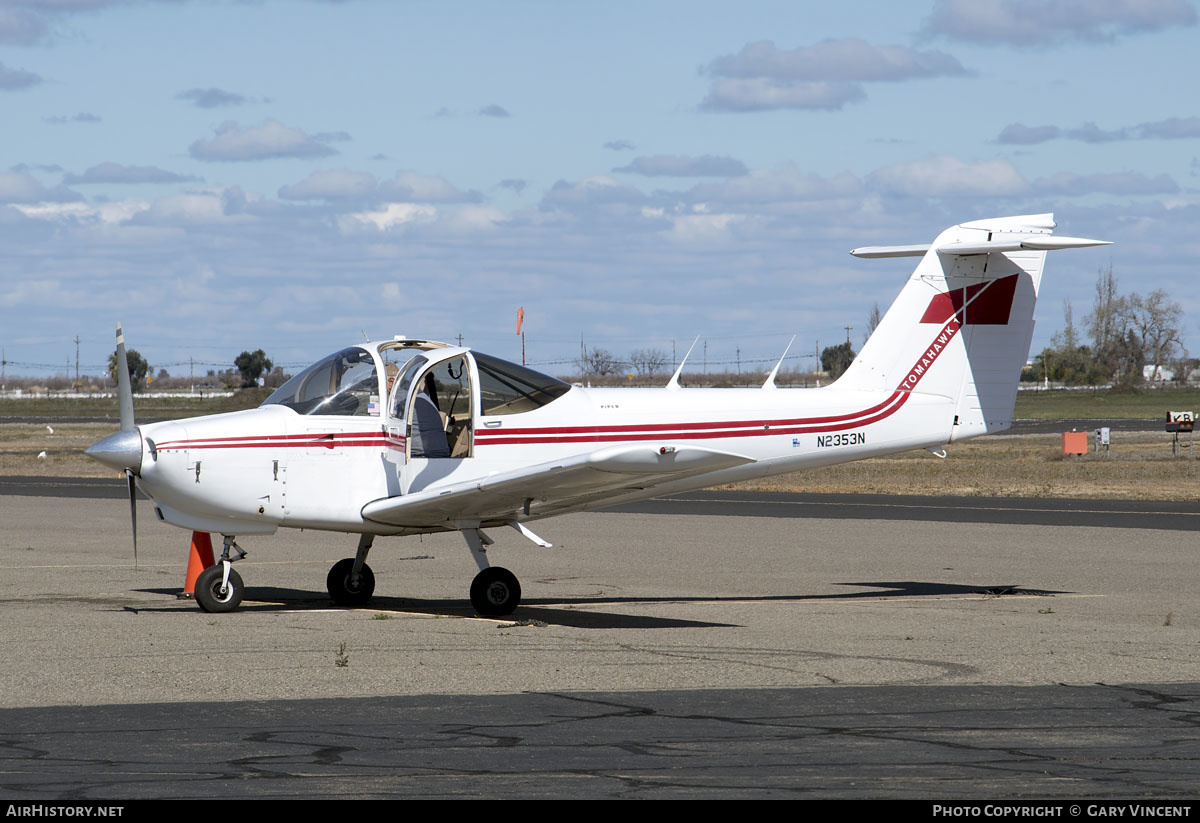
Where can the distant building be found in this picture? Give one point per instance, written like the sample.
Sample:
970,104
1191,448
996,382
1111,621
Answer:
1157,374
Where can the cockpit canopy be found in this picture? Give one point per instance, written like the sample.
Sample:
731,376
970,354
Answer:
352,382
344,383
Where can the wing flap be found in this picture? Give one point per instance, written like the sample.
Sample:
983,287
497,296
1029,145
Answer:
556,484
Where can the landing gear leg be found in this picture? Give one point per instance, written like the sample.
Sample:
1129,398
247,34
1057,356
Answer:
219,588
495,592
351,581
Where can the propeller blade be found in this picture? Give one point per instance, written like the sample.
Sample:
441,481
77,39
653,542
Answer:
132,512
124,387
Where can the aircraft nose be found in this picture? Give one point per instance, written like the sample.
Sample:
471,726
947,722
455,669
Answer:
120,450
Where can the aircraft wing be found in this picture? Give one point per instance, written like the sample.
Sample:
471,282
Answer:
555,485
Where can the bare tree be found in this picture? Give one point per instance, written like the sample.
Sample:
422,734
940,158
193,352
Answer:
1067,338
872,322
1155,319
600,362
1104,323
647,361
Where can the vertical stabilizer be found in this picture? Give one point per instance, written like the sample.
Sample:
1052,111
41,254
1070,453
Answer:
964,318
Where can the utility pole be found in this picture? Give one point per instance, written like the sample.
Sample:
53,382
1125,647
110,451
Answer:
706,355
76,361
739,359
460,340
847,328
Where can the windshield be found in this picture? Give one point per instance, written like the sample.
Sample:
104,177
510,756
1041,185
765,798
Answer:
342,384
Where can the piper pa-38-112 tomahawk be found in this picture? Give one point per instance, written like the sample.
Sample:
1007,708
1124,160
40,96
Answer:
405,437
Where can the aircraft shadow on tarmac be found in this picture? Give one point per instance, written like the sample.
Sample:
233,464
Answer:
565,611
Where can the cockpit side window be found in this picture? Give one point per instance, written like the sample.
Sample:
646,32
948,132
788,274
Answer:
403,381
506,388
343,384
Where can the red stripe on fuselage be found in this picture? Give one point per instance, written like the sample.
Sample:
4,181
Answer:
617,433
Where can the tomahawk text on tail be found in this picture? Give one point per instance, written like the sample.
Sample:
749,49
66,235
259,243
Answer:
403,436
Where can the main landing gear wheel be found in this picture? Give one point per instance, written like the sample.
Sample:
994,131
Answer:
340,588
210,595
495,592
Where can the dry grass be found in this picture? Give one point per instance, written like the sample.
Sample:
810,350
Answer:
1139,466
20,444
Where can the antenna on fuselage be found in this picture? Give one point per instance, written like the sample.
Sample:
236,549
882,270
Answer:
770,384
673,383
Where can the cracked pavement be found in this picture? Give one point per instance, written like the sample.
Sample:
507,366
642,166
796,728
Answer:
655,656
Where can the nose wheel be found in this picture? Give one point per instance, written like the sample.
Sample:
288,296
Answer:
213,594
495,592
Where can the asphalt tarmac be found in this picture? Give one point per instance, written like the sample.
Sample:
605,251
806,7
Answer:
712,645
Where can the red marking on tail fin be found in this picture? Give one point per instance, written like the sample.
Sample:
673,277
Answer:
984,304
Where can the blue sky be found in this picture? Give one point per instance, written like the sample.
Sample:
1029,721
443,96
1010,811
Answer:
289,175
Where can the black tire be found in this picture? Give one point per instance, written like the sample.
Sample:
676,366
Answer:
209,596
495,592
340,590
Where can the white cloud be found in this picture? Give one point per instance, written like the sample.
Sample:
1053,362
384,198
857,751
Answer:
692,229
16,79
675,165
20,187
330,185
591,191
1173,128
118,173
391,216
472,219
212,98
19,27
1121,183
1037,22
81,117
114,213
269,140
1019,134
493,110
216,206
848,60
827,75
761,94
945,175
774,186
410,186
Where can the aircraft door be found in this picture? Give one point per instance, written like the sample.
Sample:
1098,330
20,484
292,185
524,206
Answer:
433,409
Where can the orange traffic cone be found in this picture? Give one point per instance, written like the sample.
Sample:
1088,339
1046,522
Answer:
199,559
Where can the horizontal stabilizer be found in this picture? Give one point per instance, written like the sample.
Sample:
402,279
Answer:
1026,242
873,252
1029,242
498,497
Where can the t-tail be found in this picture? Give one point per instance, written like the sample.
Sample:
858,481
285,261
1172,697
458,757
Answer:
962,325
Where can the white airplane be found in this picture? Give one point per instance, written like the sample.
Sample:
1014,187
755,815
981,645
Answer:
405,437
